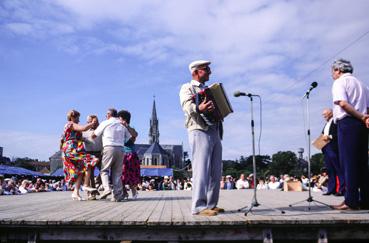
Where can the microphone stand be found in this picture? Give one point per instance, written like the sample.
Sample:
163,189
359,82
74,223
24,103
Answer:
310,198
254,202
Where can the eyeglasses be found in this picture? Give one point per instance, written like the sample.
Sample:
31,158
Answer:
207,69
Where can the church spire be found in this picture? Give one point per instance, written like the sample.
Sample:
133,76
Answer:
154,126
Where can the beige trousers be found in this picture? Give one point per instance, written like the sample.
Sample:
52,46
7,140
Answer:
112,159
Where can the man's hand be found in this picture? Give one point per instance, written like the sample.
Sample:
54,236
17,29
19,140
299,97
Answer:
206,106
326,138
365,119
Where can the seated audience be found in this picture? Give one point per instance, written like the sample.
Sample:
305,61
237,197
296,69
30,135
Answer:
273,183
242,183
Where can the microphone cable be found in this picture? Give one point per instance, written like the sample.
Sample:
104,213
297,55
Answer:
304,117
261,122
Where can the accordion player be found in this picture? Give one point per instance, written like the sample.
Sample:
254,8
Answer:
216,94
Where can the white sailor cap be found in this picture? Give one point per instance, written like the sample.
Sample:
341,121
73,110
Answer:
196,64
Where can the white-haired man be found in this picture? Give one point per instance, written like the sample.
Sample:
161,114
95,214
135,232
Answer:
205,143
351,106
114,135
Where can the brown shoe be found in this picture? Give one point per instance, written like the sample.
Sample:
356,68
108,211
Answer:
207,212
218,210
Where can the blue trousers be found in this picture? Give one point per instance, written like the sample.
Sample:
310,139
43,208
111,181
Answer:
353,149
332,163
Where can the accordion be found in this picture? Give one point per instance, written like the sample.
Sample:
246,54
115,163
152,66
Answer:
216,94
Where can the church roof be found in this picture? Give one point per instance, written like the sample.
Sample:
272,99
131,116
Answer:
155,148
153,114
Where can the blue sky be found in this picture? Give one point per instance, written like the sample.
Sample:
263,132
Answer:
91,55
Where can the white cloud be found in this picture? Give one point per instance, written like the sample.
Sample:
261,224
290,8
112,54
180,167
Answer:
28,144
20,28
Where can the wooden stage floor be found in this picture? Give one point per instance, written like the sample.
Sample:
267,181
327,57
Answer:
166,216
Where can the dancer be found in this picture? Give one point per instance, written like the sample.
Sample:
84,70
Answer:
93,147
75,159
131,162
114,135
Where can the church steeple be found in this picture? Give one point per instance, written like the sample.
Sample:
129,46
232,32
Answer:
154,126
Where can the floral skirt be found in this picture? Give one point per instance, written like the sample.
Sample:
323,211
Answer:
76,161
131,169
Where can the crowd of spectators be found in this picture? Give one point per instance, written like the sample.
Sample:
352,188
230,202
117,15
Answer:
318,183
164,183
20,185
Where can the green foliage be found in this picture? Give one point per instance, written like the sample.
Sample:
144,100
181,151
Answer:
245,165
283,162
26,163
316,163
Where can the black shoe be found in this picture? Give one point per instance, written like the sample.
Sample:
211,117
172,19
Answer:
327,193
338,194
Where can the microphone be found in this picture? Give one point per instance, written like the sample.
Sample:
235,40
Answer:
239,93
312,86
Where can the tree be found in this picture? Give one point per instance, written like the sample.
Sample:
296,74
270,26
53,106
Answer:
283,162
316,163
25,163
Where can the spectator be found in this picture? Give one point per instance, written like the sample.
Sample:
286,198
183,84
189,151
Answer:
242,183
273,183
188,185
250,179
172,183
2,184
321,184
229,183
261,185
222,183
304,181
151,186
179,185
284,179
165,185
24,187
39,185
11,188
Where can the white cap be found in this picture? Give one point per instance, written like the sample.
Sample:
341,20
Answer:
195,64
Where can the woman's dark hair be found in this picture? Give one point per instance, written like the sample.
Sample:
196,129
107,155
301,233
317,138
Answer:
125,115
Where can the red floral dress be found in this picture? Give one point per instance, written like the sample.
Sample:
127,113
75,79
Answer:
75,158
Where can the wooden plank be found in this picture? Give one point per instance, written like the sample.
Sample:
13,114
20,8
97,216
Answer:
177,214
